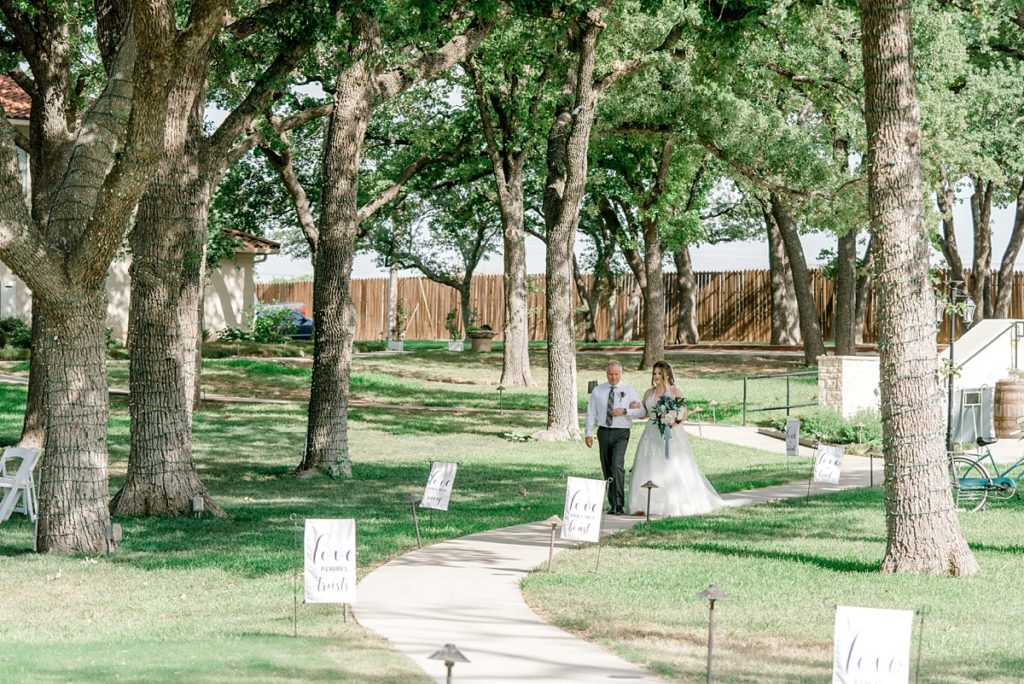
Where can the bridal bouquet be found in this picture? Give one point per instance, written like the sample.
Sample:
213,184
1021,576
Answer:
668,412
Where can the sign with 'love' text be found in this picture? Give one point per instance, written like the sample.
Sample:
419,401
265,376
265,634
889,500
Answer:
584,499
792,437
439,486
330,561
828,462
872,646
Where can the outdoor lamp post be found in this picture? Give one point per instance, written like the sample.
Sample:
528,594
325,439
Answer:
450,655
554,521
957,297
711,594
649,486
412,500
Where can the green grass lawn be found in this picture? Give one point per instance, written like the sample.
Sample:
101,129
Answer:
211,599
437,378
785,567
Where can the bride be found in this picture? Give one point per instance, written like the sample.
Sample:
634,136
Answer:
682,488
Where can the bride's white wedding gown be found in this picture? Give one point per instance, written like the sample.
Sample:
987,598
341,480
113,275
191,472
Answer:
682,488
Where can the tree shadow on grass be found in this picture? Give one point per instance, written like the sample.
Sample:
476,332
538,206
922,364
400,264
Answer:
262,538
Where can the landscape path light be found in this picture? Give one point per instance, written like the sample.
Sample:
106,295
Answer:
501,388
554,521
450,655
649,486
711,594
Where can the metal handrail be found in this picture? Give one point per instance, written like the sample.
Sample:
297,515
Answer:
788,405
1016,327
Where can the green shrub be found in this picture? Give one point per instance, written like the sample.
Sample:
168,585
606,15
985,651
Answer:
272,324
15,332
832,428
230,334
370,345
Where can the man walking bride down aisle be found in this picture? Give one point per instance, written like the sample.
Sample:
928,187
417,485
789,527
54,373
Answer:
663,456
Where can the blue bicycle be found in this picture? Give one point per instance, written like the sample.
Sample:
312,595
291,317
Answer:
974,481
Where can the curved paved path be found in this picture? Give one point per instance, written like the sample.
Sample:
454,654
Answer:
466,591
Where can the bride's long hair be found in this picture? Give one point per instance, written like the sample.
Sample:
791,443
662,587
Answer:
666,372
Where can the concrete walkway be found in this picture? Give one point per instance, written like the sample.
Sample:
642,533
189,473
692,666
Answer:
466,591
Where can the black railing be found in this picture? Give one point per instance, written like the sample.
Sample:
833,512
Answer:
788,405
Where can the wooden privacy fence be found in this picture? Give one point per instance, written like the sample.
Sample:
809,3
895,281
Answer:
732,306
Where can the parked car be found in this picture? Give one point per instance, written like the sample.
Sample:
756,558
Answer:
303,325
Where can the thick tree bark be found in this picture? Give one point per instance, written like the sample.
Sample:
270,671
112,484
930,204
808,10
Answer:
568,142
810,328
359,88
515,366
654,299
73,476
333,310
654,303
954,263
633,304
865,280
392,304
785,316
844,319
589,297
1004,282
168,245
65,262
923,530
981,217
686,285
613,311
508,160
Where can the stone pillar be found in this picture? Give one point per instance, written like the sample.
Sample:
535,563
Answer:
848,384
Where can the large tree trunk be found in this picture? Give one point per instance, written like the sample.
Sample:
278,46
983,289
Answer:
168,246
392,304
464,304
633,300
333,310
810,328
613,310
654,297
865,280
981,216
844,320
923,531
1004,283
568,143
785,316
946,197
588,299
515,367
686,285
73,514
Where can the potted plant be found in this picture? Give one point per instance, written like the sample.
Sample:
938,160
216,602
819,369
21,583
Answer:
480,337
397,341
451,324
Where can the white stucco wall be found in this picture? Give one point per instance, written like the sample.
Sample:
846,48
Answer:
230,292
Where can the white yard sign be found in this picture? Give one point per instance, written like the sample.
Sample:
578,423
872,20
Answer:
330,561
439,486
872,646
828,462
584,500
792,437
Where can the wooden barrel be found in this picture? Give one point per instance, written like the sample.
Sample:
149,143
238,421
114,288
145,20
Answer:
1009,405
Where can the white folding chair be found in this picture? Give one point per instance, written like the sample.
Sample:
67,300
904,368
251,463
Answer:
18,487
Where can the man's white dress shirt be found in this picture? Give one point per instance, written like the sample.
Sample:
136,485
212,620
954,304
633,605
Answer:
597,407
